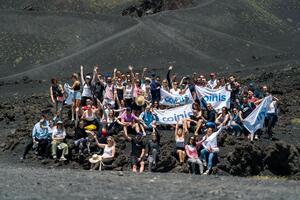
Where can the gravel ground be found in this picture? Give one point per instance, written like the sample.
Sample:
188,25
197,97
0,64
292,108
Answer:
19,182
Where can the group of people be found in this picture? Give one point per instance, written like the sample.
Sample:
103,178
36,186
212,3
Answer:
103,104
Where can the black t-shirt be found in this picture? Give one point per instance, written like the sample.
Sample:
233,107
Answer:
136,147
211,115
80,133
247,109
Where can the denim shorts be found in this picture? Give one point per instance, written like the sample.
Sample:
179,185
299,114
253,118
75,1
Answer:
77,95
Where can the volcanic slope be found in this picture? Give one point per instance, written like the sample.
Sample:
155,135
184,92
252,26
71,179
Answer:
213,35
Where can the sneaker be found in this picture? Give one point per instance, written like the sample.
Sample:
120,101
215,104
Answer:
206,172
256,137
22,158
54,157
204,163
62,158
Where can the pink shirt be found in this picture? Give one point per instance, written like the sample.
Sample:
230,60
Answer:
191,151
128,118
109,92
137,91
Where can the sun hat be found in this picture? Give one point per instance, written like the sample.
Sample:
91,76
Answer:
95,158
140,100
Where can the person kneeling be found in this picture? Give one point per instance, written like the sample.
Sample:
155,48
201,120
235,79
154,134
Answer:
58,136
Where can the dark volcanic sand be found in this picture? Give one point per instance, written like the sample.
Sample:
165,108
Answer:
254,40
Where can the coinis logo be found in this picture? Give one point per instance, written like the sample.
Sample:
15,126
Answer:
215,98
176,117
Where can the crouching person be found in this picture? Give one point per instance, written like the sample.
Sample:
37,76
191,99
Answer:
40,139
58,136
192,154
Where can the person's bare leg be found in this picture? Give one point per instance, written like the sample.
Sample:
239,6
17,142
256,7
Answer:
142,166
125,131
134,168
137,127
199,125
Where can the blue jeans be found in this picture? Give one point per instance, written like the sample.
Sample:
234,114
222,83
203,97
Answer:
208,156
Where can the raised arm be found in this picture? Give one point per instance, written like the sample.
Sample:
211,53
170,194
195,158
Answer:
95,74
81,74
168,76
97,142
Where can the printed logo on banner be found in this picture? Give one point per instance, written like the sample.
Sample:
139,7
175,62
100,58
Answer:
176,117
175,99
214,98
170,116
217,97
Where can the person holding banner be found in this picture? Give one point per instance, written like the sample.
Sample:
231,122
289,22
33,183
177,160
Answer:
180,143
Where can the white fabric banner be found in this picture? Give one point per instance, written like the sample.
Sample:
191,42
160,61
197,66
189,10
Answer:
69,94
168,99
170,116
218,98
256,119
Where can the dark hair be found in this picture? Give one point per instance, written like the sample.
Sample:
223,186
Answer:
194,140
54,80
226,109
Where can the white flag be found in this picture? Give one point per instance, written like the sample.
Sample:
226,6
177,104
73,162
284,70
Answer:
169,99
218,98
170,116
256,119
69,94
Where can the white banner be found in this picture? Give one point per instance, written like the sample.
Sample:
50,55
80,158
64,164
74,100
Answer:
256,119
69,94
218,98
170,116
169,99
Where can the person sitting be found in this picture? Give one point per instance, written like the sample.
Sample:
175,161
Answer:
180,143
194,122
128,121
148,119
192,154
81,138
223,118
210,116
58,136
40,138
152,151
210,148
107,158
137,152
